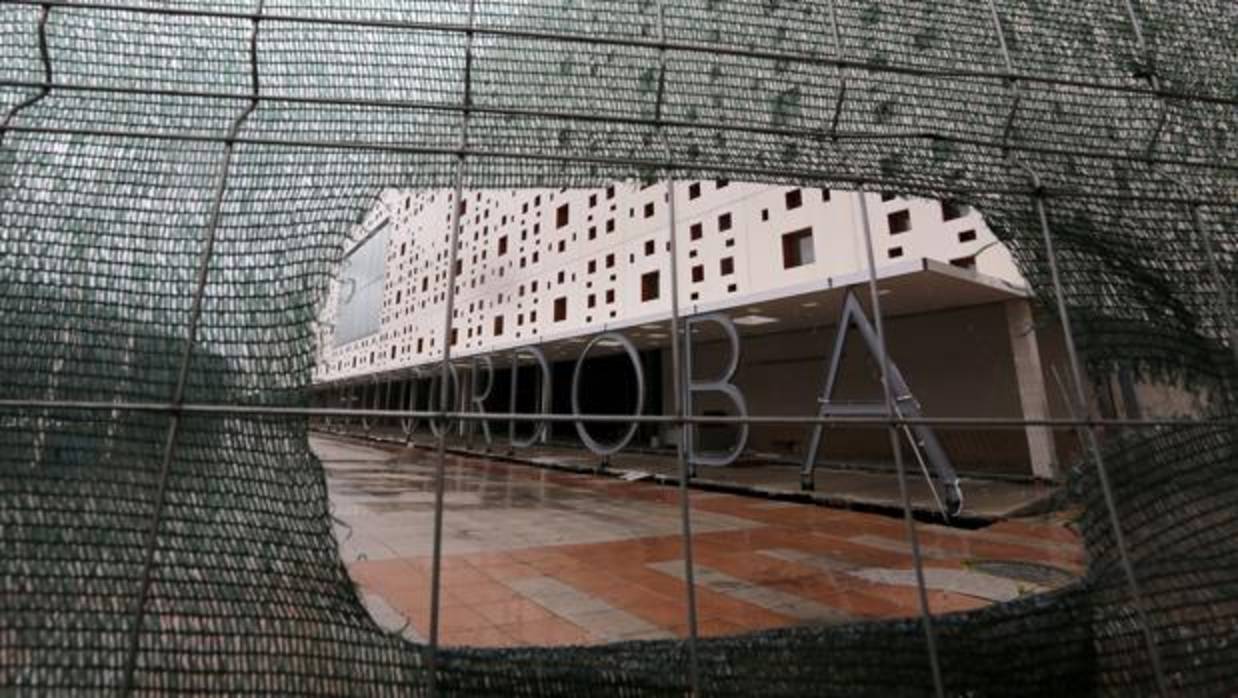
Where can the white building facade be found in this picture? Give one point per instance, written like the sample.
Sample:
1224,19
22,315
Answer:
542,265
553,268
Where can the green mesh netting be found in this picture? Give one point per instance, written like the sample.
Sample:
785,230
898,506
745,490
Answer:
176,180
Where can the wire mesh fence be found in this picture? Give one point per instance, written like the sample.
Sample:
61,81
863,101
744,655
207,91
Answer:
175,183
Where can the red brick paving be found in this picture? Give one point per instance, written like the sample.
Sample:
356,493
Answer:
480,607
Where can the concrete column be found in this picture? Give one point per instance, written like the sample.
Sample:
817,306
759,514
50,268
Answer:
1033,398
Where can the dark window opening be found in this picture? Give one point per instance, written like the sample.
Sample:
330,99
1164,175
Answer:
967,236
726,266
696,231
950,210
694,191
797,248
899,221
724,222
795,199
649,286
698,273
896,252
560,309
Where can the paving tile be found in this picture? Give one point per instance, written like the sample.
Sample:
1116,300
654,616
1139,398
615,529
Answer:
980,585
664,614
396,573
549,631
514,570
769,598
539,557
457,618
478,637
825,563
477,594
615,624
902,546
513,612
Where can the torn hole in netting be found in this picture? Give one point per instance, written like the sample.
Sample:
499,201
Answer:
110,334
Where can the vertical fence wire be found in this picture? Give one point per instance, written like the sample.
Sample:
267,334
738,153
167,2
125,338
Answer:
1224,286
679,377
44,417
186,358
46,88
892,412
1081,406
440,467
1078,402
896,445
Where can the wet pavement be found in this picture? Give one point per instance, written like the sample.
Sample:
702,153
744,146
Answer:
539,556
838,485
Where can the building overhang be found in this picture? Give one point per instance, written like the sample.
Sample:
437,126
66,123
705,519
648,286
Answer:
913,287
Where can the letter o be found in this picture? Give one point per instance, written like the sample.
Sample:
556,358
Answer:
634,357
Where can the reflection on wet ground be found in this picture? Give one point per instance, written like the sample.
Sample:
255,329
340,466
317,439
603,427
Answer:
845,485
534,556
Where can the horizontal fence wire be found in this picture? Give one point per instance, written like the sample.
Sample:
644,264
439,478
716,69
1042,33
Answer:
8,404
581,116
780,173
1134,88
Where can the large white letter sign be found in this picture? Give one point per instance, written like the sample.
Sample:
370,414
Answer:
923,440
477,397
634,357
722,384
412,387
543,399
436,399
